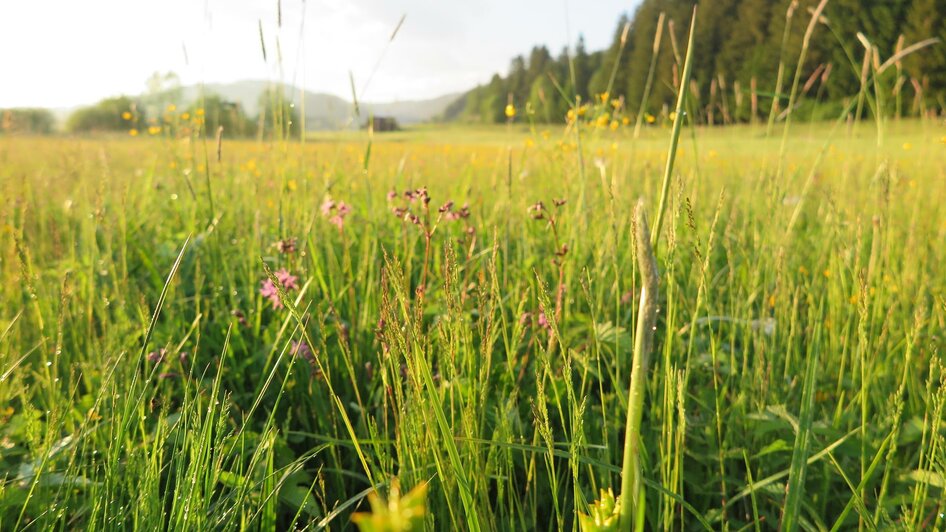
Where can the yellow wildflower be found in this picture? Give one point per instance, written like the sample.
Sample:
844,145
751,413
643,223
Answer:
133,132
510,111
154,130
649,118
126,115
185,116
171,108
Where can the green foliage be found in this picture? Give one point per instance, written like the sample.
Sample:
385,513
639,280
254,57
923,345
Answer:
29,121
739,42
218,112
112,114
397,514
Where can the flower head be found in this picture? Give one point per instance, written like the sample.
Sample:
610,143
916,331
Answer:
157,356
302,350
510,111
269,290
286,246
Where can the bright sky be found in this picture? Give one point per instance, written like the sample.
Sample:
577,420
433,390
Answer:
60,53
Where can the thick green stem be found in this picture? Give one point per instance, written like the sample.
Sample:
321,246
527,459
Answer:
631,478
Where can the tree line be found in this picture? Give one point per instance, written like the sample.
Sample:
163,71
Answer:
741,46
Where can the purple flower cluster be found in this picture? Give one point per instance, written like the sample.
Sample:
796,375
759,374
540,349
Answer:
270,291
335,211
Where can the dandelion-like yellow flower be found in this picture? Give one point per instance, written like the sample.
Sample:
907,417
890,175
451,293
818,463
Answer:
583,110
133,132
615,125
625,120
154,130
126,115
650,118
570,115
603,120
199,111
171,108
185,116
510,111
673,116
604,97
615,103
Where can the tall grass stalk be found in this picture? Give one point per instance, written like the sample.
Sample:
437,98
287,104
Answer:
655,54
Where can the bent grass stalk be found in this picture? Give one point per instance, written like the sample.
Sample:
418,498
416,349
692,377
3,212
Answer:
631,498
650,75
632,501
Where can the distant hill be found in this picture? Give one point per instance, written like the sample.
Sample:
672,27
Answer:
323,111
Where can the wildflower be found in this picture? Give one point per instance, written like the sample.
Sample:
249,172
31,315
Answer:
446,207
537,211
154,130
157,356
287,280
510,111
171,108
570,115
269,290
615,125
126,115
300,349
341,211
604,97
603,120
286,246
673,116
544,322
650,118
185,116
241,318
559,202
463,212
392,195
625,120
199,111
525,318
327,205
133,132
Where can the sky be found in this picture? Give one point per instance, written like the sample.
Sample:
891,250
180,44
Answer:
62,53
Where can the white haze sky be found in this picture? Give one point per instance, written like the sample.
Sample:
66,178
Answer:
60,53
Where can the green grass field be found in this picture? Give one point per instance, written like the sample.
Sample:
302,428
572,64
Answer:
266,340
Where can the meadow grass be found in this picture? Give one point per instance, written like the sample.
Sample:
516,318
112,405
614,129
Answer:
146,382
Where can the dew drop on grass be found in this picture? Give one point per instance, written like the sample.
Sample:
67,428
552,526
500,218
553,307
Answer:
48,363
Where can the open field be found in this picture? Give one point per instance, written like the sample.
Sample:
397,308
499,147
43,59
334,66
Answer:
163,359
